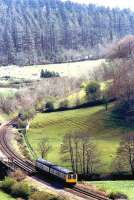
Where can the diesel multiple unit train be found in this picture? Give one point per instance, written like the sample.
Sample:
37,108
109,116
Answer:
65,175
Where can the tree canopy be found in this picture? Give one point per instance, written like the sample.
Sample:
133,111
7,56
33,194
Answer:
42,31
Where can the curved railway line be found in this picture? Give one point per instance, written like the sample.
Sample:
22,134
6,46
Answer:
11,155
29,168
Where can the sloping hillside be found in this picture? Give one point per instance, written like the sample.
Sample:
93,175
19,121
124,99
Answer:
96,121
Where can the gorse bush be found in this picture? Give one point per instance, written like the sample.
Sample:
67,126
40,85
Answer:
117,195
40,195
16,189
60,197
7,184
18,175
20,189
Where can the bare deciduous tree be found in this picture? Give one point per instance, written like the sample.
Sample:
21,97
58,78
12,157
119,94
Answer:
124,48
119,76
44,147
32,98
81,152
125,154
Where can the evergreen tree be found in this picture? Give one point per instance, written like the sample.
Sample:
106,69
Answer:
50,31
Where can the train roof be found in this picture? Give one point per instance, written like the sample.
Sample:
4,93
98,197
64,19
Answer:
45,162
53,166
61,169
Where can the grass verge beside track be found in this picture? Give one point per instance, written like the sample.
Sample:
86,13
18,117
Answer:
126,187
4,196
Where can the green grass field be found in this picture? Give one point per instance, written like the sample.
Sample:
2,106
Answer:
4,196
126,187
96,121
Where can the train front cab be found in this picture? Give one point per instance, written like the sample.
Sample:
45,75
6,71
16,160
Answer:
71,179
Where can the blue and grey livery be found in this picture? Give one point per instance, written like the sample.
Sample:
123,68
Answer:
64,174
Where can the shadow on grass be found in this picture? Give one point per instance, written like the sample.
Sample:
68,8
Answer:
115,121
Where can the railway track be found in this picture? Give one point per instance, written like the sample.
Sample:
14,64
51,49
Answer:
11,155
89,194
29,168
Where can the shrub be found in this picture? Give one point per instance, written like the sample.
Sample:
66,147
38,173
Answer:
22,116
117,195
49,106
7,184
61,197
19,138
26,114
25,153
93,90
48,74
33,189
18,175
40,195
30,113
22,124
20,189
64,104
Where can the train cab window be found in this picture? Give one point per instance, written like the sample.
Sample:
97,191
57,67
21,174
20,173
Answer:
69,176
74,176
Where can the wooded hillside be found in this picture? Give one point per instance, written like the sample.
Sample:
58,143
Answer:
40,31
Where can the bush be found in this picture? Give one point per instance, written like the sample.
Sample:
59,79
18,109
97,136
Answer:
19,138
49,106
48,74
59,198
40,195
24,115
30,114
93,90
7,184
22,124
20,189
117,195
64,104
25,153
18,175
33,189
